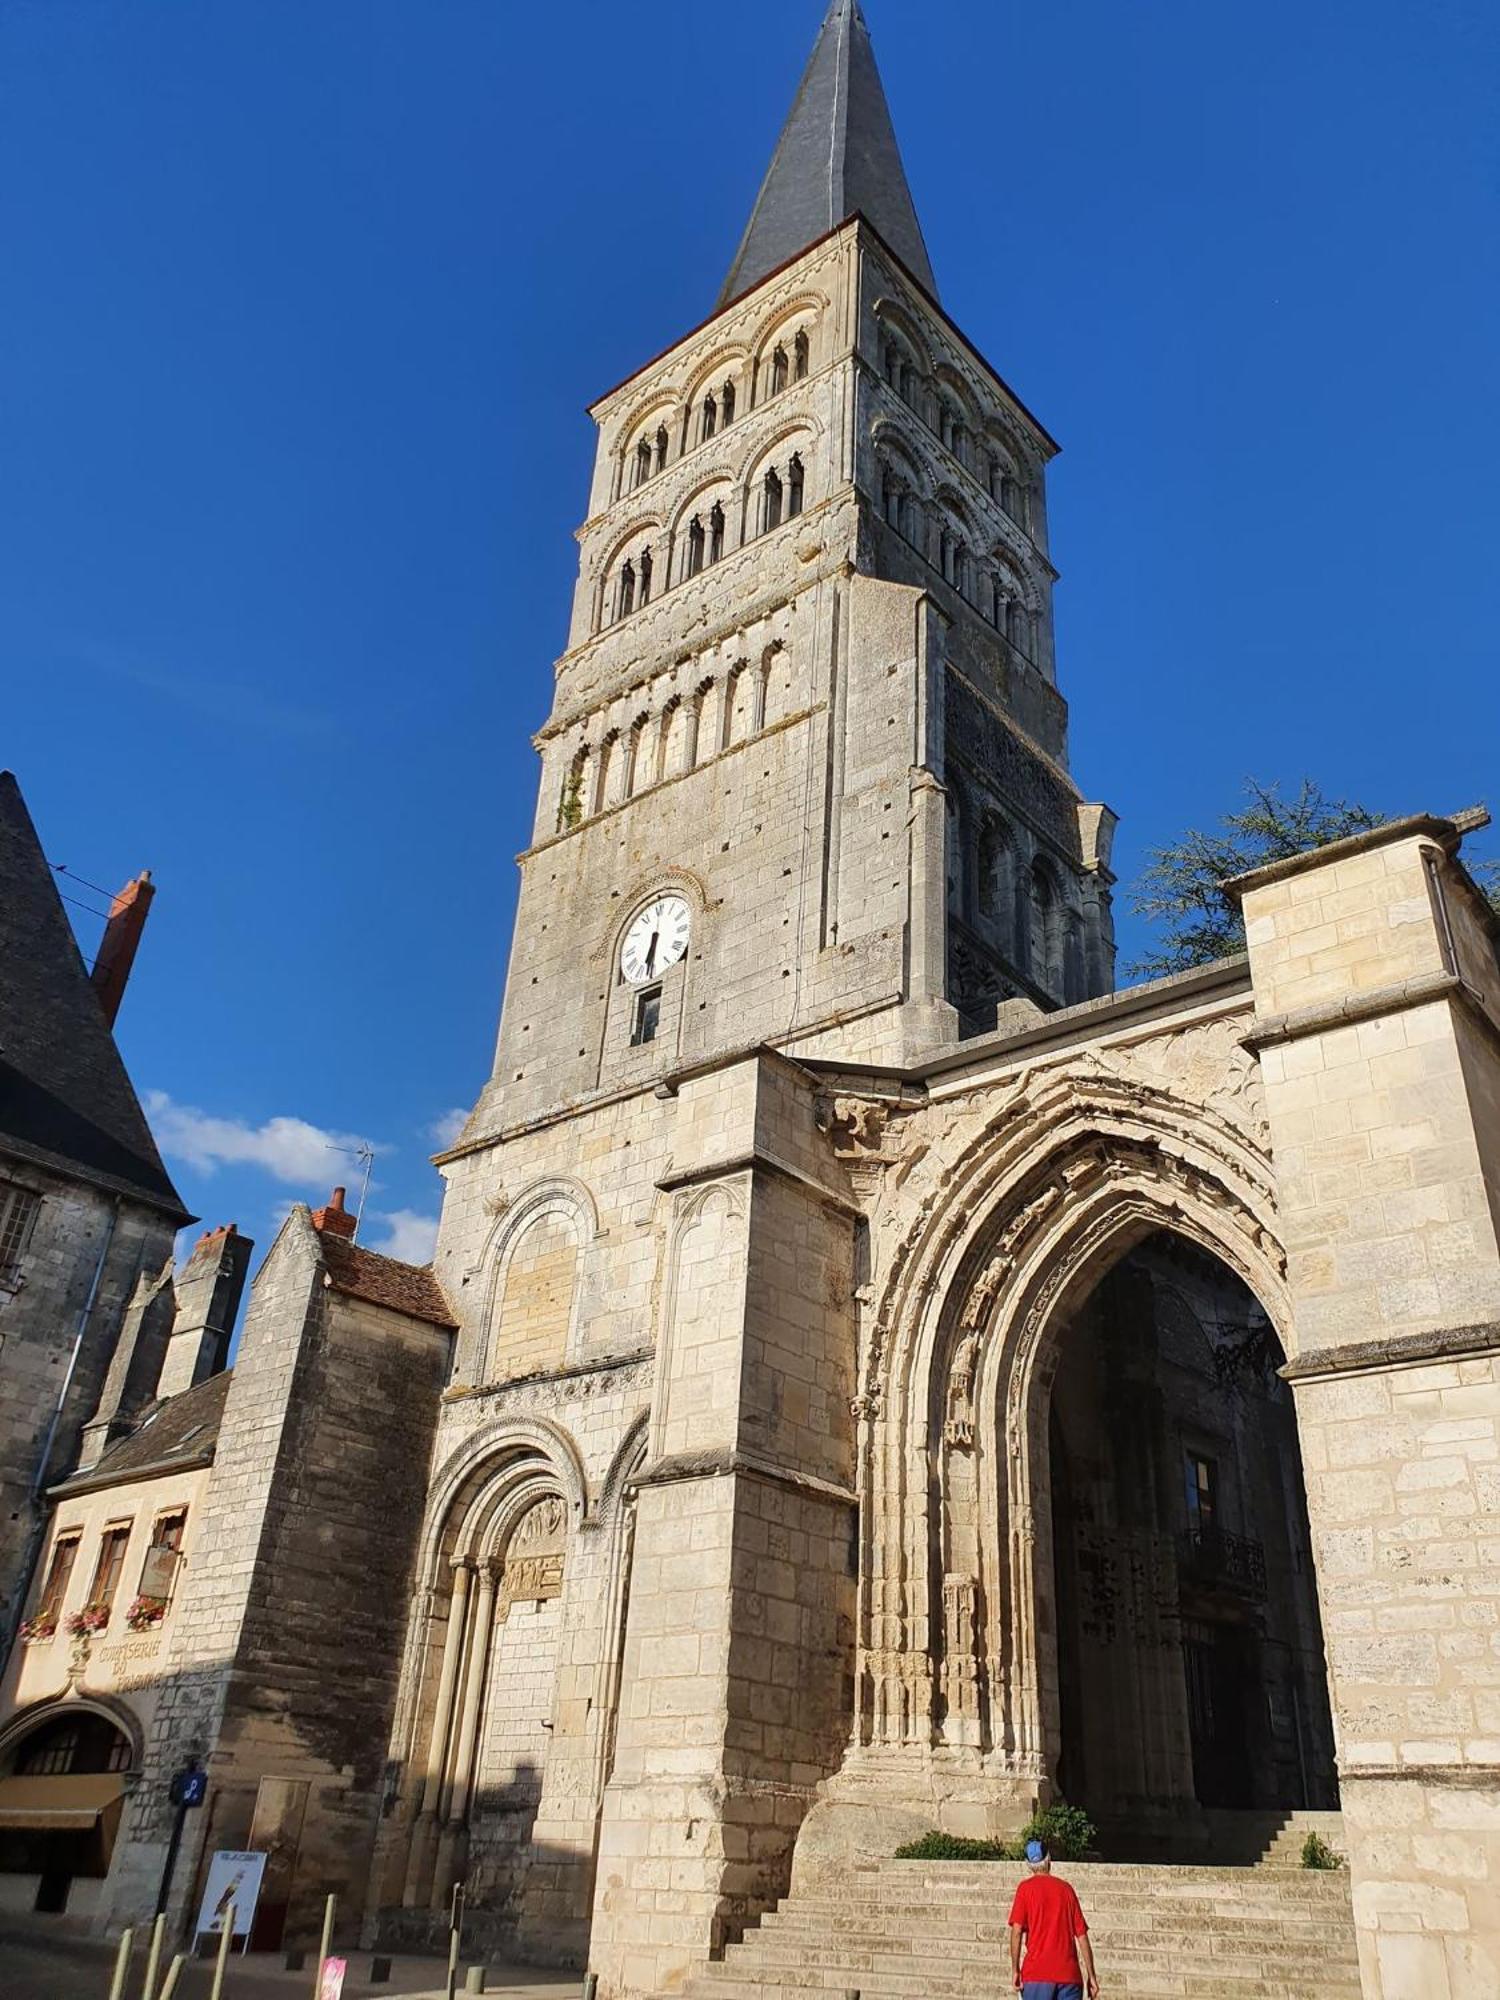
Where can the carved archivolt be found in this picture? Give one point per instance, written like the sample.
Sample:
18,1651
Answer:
1074,1165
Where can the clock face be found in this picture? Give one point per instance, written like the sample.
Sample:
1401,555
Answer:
657,939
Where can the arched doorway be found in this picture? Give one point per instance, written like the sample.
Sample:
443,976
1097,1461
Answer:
63,1786
1189,1657
967,1706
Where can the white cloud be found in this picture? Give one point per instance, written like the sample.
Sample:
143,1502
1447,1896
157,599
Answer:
408,1235
290,1149
443,1131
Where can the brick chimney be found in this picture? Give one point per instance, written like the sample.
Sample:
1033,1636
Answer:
122,935
334,1219
208,1290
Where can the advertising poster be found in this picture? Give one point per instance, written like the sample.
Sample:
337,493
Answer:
232,1878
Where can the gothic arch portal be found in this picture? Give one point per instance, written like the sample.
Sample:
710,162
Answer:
1071,1171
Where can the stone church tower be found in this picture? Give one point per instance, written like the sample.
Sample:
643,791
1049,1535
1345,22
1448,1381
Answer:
764,1528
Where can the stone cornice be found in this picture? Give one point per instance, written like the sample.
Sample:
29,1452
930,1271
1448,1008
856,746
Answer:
1379,1002
724,1461
757,1159
1404,1350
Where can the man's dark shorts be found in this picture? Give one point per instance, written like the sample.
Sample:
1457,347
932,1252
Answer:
1048,1989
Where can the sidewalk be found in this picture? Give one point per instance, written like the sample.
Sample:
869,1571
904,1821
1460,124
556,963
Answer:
40,1963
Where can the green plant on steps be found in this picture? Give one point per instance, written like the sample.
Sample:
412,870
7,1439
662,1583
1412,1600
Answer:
1316,1853
1067,1830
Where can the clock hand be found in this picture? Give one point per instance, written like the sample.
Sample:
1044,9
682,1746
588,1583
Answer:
651,953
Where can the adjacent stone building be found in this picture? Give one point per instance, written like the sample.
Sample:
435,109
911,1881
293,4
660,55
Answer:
86,1205
217,1583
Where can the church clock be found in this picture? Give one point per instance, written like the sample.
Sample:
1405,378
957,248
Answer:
657,938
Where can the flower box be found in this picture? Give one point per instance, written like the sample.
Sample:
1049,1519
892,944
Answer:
146,1613
93,1618
35,1630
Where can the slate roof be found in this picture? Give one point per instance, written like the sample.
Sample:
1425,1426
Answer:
384,1281
837,156
181,1431
66,1102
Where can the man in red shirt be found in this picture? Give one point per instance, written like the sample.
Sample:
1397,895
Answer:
1047,1914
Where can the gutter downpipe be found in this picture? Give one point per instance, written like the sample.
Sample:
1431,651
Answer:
39,1480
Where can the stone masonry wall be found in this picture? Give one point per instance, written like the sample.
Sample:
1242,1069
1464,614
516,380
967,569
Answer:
39,1324
1380,1062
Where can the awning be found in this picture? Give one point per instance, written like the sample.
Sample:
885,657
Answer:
75,1801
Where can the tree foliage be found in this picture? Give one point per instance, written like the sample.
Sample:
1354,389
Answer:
1182,889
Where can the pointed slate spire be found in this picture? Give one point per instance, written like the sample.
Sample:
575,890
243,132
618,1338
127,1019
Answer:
837,156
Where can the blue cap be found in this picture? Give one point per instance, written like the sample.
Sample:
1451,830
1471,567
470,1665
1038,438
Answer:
1036,1850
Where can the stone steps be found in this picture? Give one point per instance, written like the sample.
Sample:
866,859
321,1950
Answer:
893,1930
1267,1944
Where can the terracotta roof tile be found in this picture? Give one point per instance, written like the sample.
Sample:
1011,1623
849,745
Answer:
385,1281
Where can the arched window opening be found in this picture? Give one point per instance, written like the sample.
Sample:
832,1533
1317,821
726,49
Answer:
893,364
715,533
995,887
727,401
625,595
661,448
710,421
893,502
1074,982
801,353
994,476
948,556
645,576
642,462
1044,916
947,426
995,609
1018,627
695,547
778,371
571,806
794,488
74,1745
771,506
1008,496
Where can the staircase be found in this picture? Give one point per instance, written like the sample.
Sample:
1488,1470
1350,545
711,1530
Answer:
1268,1839
918,1930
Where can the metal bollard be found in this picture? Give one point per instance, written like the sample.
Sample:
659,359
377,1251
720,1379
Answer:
226,1939
153,1959
590,1985
174,1972
323,1946
122,1963
474,1979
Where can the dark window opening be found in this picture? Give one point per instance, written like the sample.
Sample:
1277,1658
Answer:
800,354
647,1019
645,576
778,371
727,401
695,547
773,500
794,489
716,533
710,418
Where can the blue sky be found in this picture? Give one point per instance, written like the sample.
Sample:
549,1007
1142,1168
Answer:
303,304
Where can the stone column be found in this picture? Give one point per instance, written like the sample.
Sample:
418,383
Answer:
1377,995
453,1806
424,1832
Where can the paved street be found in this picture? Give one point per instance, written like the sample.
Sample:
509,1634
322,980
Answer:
44,1963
